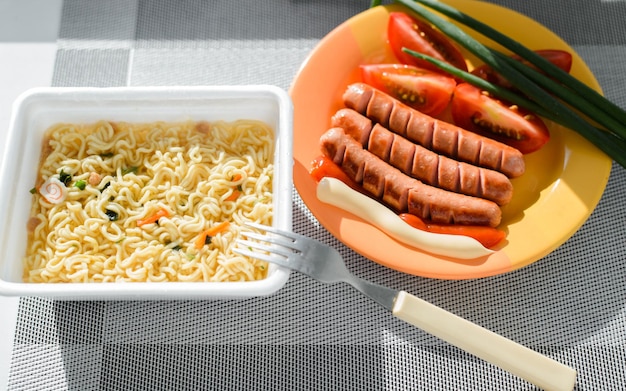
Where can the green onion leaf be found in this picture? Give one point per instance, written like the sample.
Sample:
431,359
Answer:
612,145
550,69
129,170
113,216
575,100
65,177
608,142
494,89
81,184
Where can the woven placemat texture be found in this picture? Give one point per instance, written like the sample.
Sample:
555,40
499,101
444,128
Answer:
571,305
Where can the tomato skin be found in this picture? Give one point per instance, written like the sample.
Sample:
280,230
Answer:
487,236
515,127
406,31
560,58
419,88
322,166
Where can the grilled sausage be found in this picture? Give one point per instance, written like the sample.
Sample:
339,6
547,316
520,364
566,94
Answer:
401,192
424,164
434,134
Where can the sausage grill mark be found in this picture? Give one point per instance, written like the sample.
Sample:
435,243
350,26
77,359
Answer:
402,192
433,134
422,163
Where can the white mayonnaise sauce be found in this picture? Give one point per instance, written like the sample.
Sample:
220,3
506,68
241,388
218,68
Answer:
334,192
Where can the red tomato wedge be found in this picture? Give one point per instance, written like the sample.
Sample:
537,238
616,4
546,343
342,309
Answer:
322,167
415,34
419,88
487,236
560,58
478,112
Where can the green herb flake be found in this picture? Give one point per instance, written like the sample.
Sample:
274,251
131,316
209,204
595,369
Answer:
130,170
65,177
80,184
33,190
113,216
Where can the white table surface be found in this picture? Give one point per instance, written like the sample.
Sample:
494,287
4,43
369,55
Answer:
28,33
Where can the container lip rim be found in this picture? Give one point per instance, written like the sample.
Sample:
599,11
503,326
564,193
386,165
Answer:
147,290
139,89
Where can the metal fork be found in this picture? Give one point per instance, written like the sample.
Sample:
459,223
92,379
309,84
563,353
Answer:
325,264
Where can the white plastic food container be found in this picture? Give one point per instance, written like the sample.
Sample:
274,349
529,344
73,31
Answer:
37,109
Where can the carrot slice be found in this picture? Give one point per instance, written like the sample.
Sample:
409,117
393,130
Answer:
236,192
233,196
153,219
214,230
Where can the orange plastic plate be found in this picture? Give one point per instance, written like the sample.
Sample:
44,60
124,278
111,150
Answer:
562,185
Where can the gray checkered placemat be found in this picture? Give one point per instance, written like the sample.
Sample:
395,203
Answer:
570,305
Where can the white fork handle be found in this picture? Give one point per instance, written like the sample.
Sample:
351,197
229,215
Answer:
521,361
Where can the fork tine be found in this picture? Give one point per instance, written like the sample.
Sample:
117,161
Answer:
263,247
252,254
262,257
275,246
273,239
267,228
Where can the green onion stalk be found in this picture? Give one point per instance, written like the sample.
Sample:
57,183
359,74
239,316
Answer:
599,137
568,96
611,144
494,89
593,97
